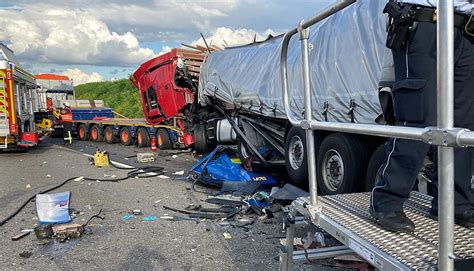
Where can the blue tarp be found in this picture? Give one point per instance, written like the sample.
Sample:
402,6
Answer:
217,168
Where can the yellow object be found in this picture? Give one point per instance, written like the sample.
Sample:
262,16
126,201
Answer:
68,139
101,159
57,114
45,124
236,160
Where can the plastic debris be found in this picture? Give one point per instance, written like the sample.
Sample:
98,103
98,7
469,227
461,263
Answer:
227,236
25,254
149,218
127,217
53,208
163,177
181,172
145,157
28,186
174,156
68,231
20,236
136,212
48,175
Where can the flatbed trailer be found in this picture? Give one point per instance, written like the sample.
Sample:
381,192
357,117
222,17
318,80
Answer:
436,244
129,132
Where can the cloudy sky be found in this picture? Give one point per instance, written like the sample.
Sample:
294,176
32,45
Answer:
93,40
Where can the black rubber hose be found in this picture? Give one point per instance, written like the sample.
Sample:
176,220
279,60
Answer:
143,172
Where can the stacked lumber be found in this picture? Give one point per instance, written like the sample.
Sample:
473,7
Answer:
194,58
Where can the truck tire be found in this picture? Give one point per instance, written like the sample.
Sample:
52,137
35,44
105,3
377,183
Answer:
109,136
374,168
295,155
200,139
341,164
82,132
164,139
143,138
126,136
96,136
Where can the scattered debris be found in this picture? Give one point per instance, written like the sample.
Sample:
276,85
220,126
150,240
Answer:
136,212
227,236
27,230
181,172
48,175
149,218
145,157
174,156
43,231
20,236
217,168
53,208
67,231
25,254
28,186
127,217
289,193
163,177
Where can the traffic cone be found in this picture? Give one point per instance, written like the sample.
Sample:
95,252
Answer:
153,144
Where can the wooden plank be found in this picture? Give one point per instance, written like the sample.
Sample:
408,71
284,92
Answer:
194,69
194,63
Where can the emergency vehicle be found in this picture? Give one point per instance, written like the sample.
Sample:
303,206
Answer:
17,103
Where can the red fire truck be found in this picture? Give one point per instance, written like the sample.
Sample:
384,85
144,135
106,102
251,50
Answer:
18,102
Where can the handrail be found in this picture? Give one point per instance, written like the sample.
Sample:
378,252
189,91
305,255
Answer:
444,135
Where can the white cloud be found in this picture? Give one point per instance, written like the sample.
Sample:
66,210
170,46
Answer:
226,37
54,35
80,77
165,49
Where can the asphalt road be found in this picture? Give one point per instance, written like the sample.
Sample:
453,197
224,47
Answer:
114,244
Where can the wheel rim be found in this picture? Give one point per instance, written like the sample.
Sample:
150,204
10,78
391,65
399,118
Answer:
124,136
333,170
139,138
296,154
82,133
94,133
160,140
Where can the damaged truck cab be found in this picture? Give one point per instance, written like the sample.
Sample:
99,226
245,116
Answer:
167,89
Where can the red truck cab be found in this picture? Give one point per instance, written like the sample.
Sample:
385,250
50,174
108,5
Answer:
166,89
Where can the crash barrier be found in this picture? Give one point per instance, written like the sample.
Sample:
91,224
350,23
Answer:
445,136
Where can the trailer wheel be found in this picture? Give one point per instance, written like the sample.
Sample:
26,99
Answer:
82,132
143,138
126,136
295,155
109,135
96,136
200,140
374,168
164,139
340,164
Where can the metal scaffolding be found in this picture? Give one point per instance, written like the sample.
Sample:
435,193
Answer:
445,136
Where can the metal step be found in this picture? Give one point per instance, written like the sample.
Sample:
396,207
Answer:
346,218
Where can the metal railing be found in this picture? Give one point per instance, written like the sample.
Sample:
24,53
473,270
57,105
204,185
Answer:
445,136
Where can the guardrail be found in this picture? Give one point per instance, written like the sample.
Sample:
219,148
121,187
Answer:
445,136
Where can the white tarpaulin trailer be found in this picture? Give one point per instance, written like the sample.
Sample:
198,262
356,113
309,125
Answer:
346,62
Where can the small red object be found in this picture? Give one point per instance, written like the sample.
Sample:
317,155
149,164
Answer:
153,144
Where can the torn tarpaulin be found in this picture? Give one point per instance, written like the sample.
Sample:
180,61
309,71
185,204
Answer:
217,168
